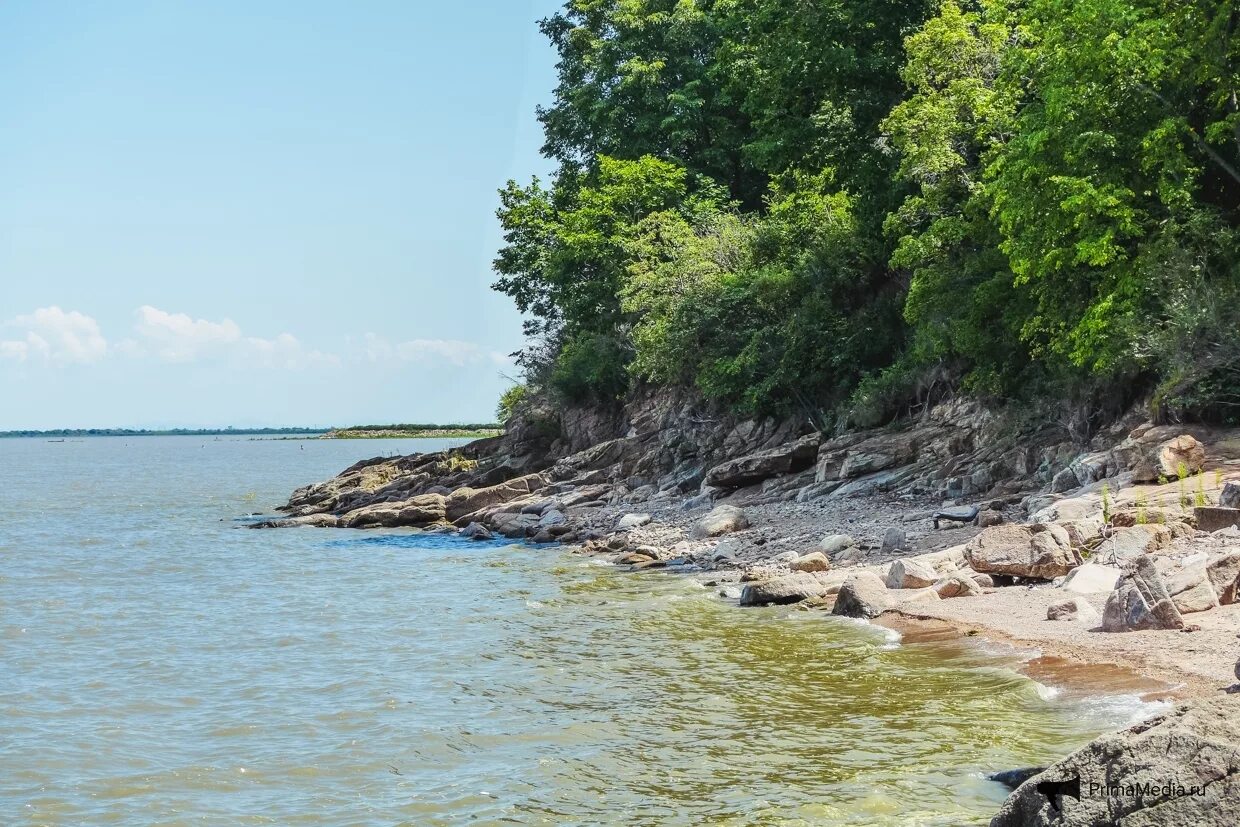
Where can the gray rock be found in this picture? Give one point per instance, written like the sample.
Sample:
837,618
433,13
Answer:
1191,590
552,517
1192,749
1169,458
1230,496
1065,480
814,561
835,543
1141,601
476,531
1073,610
956,585
1133,541
723,519
894,540
700,501
852,556
910,574
1043,551
747,470
1092,578
863,595
631,521
1213,518
1224,574
726,550
791,588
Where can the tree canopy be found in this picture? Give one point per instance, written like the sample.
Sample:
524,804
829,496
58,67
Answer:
845,208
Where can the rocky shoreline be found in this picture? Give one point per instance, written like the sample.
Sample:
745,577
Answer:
1091,552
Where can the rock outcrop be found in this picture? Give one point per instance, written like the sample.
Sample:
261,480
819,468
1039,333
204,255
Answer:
747,470
1181,769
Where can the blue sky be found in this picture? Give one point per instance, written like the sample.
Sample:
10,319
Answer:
259,213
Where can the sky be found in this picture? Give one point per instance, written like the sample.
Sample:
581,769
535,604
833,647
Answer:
276,213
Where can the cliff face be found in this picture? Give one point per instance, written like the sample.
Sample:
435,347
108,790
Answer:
668,438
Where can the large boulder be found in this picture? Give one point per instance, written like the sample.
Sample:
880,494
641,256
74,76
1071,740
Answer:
863,595
1180,769
1042,551
723,519
1170,459
957,584
791,588
894,540
1191,590
1216,518
814,561
1134,540
1141,601
1092,578
1224,574
911,573
747,470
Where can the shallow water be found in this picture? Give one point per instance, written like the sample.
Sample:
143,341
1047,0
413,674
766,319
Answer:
160,665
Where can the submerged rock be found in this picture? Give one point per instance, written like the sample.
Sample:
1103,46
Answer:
476,531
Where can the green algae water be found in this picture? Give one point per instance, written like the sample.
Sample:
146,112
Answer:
161,665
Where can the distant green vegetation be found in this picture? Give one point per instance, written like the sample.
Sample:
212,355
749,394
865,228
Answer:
851,208
416,431
84,432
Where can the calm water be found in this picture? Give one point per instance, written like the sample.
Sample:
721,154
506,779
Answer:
159,665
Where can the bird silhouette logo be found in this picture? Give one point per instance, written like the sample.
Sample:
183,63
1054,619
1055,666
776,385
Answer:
1055,790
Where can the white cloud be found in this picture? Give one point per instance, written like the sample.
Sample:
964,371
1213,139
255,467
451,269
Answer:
53,335
431,351
176,337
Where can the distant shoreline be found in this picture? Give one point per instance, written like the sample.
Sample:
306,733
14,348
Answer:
84,432
425,433
354,432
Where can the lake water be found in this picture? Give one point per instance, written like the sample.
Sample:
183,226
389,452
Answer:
160,665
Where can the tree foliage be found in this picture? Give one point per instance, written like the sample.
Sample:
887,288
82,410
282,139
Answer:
840,207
